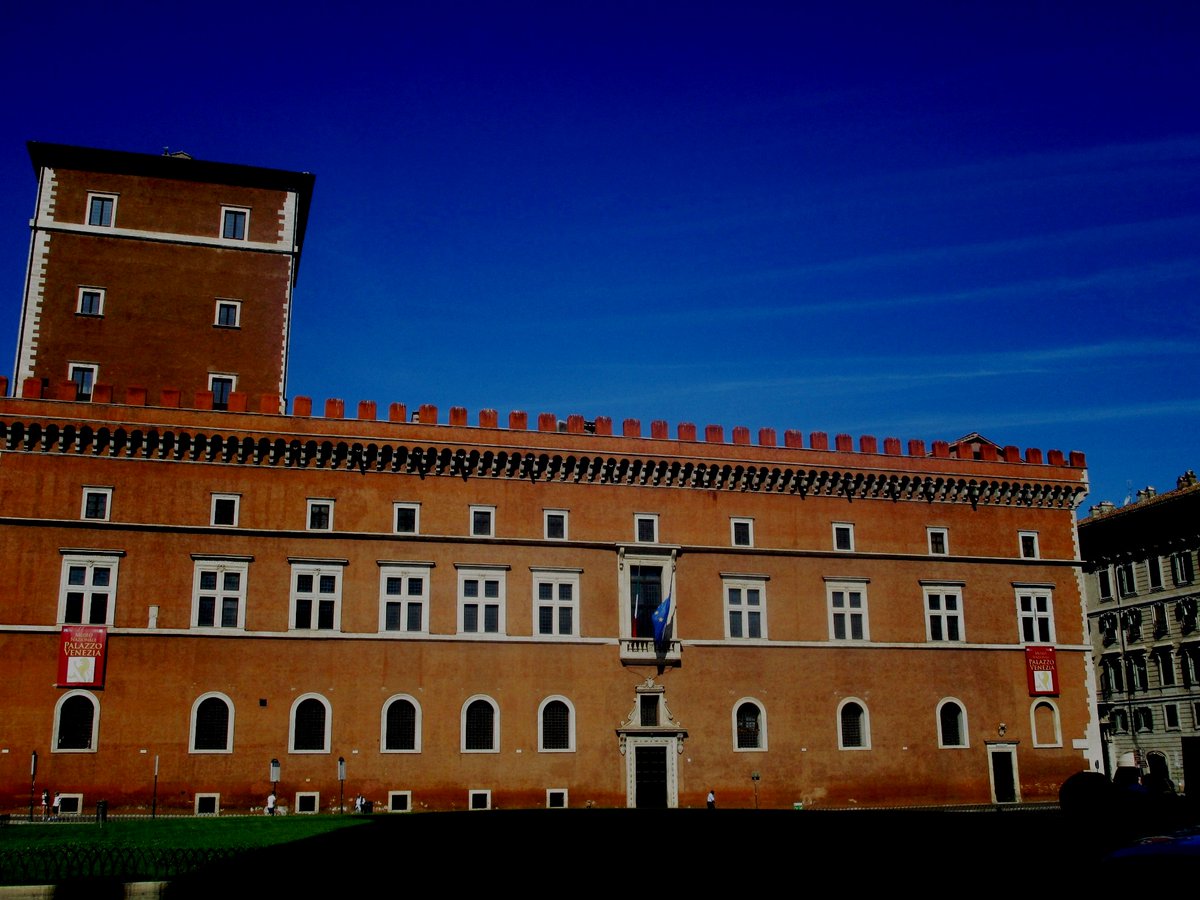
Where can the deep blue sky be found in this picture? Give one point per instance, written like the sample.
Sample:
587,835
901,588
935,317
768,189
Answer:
917,220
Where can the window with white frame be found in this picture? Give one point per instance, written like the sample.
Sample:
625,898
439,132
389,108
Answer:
1125,582
1035,613
847,609
554,522
84,376
745,606
1182,570
1103,584
556,601
212,724
483,521
1112,677
399,801
1118,721
407,518
1164,660
481,595
235,223
480,726
479,799
1143,719
310,724
308,803
952,724
207,805
319,515
645,580
225,509
219,591
645,528
1189,662
404,597
749,725
400,729
1136,671
943,612
96,503
1154,572
556,726
88,589
316,596
90,301
1044,724
939,541
843,536
1171,716
228,314
102,210
221,385
741,532
1028,542
76,722
556,798
854,725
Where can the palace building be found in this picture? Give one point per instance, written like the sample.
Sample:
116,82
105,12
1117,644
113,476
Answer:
215,590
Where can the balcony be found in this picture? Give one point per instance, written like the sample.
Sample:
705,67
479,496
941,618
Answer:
643,652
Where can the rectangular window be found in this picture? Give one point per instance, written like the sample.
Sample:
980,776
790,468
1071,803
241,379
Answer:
939,541
226,509
222,386
1135,669
481,592
1165,661
96,503
483,521
745,607
219,592
404,598
234,223
1029,545
1181,568
1160,619
556,602
102,210
943,613
1125,582
847,610
645,528
1035,612
88,590
84,375
843,536
320,515
1143,719
407,517
648,710
1104,583
91,301
1171,716
316,599
229,314
555,522
1189,662
741,532
1154,573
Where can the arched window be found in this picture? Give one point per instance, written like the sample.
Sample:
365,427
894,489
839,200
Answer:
854,726
749,725
401,725
1043,719
76,722
952,724
310,724
556,725
480,726
212,724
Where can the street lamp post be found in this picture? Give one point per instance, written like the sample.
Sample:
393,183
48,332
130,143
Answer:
273,777
32,782
342,784
154,799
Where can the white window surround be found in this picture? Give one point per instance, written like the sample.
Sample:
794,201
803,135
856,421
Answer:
483,521
310,582
936,535
865,736
230,311
481,597
95,737
404,597
554,521
645,528
741,532
416,518
383,747
217,383
542,748
944,611
228,748
202,800
762,725
229,223
236,500
94,583
399,801
1171,716
1039,739
222,591
292,725
557,794
308,803
85,376
462,730
92,297
847,598
70,804
964,739
1035,614
314,505
99,214
103,497
562,585
843,537
479,799
745,600
1027,545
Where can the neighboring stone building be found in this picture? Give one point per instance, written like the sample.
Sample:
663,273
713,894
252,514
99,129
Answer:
1142,599
476,614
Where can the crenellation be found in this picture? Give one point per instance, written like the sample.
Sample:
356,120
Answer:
818,440
547,422
367,411
843,442
427,414
102,393
631,428
488,418
868,444
335,408
659,429
397,412
741,434
518,421
686,431
891,446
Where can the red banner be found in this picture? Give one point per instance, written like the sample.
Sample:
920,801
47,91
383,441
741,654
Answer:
1041,667
82,656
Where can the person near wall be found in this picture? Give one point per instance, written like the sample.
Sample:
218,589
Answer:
270,810
712,799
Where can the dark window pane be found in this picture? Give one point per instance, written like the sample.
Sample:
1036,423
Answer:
414,616
491,618
205,611
566,620
212,725
75,718
229,612
303,613
310,725
471,617
556,726
480,717
401,732
325,615
391,614
545,620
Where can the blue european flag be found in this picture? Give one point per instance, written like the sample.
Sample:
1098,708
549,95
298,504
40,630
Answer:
663,617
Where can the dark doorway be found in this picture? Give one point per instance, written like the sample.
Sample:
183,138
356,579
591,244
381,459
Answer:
651,777
1191,769
1002,776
